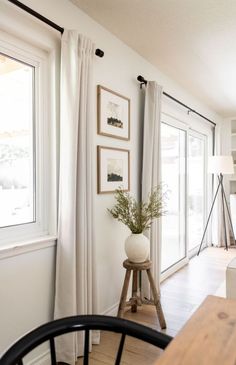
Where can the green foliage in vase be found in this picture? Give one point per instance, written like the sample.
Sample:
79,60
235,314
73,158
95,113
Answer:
138,216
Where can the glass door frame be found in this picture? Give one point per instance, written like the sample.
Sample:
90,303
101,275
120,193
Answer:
191,127
192,132
175,123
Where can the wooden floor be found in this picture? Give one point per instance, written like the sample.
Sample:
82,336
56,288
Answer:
181,294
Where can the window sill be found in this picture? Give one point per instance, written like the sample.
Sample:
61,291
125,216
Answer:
27,246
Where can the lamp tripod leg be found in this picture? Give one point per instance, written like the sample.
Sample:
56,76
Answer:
223,211
229,215
208,219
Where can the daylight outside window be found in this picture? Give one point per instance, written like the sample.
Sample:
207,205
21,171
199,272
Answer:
16,142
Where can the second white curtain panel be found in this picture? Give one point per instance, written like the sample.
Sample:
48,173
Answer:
151,168
75,264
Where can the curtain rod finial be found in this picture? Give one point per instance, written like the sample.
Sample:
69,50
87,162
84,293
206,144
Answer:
99,52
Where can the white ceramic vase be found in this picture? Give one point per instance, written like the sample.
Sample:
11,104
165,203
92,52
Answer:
137,247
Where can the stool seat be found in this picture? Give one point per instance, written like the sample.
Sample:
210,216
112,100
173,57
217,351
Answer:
137,266
136,299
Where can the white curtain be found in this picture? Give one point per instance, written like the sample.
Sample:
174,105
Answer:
75,264
217,224
151,169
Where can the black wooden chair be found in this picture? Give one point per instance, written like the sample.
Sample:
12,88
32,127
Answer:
47,332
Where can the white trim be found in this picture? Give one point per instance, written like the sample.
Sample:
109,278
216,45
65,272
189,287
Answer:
111,311
181,114
204,139
193,252
178,125
27,246
18,23
42,359
21,50
173,121
174,268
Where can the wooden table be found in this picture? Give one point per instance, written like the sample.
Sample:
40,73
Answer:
209,336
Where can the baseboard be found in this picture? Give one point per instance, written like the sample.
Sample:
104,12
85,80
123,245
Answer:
112,311
42,359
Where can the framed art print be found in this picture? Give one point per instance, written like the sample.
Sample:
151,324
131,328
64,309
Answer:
113,169
113,114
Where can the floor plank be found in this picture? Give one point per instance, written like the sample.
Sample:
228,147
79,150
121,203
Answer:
181,294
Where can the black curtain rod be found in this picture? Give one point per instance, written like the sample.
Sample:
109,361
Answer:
144,82
98,51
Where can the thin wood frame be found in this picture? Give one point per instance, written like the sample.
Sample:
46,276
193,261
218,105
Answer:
99,169
99,116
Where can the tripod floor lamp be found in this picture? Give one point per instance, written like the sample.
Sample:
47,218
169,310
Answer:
220,165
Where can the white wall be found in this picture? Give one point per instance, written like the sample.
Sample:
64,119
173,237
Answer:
26,291
118,71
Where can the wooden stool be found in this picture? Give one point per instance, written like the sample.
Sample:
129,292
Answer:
136,299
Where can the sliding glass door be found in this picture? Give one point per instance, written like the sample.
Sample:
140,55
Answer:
196,189
173,141
184,154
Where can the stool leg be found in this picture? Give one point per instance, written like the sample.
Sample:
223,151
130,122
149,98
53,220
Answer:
134,291
124,294
157,301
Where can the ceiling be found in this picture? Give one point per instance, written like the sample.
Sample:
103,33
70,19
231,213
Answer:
191,41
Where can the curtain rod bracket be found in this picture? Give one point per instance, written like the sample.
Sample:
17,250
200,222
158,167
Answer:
142,80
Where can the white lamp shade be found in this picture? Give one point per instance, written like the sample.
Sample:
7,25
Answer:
221,165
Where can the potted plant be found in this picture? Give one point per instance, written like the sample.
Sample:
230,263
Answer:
138,217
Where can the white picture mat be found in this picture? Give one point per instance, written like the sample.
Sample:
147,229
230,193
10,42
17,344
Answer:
105,98
105,155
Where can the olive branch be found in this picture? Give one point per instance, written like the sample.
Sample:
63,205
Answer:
138,216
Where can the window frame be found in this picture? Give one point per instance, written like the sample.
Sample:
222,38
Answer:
33,136
45,208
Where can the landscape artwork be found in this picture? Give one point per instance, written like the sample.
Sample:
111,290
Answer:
113,169
113,114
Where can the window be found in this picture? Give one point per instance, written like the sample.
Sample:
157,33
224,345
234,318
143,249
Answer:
17,142
28,164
